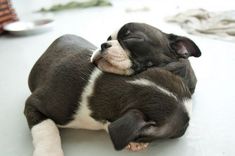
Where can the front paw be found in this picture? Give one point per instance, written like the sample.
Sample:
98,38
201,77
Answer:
135,147
48,151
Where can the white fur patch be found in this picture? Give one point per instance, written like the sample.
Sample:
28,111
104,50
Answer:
114,34
95,54
46,139
188,106
108,67
82,119
117,56
145,82
106,127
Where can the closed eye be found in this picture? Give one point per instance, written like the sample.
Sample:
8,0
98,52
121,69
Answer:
134,38
131,36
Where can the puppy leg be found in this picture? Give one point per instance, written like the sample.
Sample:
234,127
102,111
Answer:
46,139
132,146
135,147
183,69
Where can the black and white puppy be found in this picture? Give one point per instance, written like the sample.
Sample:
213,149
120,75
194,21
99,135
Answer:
138,46
68,91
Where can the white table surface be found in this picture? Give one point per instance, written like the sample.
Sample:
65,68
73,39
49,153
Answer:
213,121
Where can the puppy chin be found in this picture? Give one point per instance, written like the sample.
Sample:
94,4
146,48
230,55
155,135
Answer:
111,64
106,66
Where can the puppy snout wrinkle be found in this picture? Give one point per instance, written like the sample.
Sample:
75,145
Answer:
105,46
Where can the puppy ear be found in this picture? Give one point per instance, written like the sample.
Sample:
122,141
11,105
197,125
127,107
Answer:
126,128
183,46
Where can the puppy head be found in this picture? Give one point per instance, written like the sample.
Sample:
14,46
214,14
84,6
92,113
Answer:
138,46
134,126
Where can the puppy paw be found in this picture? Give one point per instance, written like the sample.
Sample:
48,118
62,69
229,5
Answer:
135,147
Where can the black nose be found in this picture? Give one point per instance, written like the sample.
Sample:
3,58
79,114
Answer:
105,46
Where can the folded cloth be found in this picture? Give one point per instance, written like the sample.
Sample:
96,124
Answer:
76,4
218,25
7,13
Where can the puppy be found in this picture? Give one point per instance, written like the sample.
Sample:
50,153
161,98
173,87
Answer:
70,92
138,46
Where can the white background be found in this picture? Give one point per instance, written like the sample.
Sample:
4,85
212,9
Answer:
213,122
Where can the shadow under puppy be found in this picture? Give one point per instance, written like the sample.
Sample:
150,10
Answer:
70,92
136,47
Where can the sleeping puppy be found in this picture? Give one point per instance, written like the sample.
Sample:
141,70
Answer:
138,46
70,92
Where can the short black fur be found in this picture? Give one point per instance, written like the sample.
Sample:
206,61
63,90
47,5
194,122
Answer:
58,78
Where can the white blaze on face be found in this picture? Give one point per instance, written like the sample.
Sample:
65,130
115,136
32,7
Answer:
114,35
114,59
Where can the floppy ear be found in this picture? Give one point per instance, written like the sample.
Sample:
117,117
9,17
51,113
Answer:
183,46
126,129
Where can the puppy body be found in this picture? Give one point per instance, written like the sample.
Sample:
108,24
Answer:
68,91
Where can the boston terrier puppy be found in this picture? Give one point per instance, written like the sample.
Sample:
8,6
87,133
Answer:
138,46
68,91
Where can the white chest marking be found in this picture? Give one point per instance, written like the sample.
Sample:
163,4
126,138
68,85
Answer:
82,118
145,82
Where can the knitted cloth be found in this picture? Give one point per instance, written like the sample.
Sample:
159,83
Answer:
218,25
